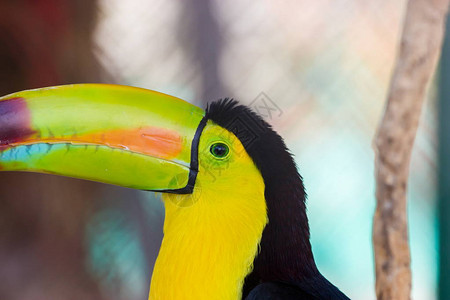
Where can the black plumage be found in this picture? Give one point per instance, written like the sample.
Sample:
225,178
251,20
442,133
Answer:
285,267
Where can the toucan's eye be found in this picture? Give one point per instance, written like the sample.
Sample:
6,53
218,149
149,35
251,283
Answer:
219,150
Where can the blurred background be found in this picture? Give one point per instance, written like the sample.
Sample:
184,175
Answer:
317,70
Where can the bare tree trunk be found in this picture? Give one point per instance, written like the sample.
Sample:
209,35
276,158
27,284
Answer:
419,52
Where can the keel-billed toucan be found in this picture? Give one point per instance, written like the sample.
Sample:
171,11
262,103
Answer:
235,218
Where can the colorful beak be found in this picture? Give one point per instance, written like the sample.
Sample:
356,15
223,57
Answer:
114,134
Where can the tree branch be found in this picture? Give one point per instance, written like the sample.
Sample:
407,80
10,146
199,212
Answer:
419,52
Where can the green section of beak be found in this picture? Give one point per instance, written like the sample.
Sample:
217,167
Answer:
114,134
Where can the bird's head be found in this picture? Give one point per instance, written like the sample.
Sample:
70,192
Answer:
129,137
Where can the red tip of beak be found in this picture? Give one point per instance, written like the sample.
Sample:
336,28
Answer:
15,121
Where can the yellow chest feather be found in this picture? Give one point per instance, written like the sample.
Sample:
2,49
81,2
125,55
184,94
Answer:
209,247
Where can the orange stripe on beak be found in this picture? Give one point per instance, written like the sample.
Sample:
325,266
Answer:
152,141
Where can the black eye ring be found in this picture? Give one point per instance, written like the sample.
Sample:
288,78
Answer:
219,150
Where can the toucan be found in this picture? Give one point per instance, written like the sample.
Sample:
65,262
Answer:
235,217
